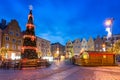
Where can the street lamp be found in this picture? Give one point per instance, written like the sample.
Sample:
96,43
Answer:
108,24
103,47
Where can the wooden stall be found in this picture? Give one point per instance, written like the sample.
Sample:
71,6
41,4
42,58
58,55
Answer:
96,59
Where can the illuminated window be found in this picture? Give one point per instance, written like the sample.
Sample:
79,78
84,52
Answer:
104,56
7,45
7,38
19,48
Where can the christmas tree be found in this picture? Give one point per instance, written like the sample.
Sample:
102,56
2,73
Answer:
29,40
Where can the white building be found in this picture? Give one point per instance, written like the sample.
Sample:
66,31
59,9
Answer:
43,47
76,46
90,44
84,44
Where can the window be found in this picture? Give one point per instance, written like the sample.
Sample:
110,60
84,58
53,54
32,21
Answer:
13,40
39,44
13,47
83,41
96,45
19,47
7,38
7,45
17,34
11,33
19,41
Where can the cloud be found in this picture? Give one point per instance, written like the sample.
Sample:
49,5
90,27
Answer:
54,38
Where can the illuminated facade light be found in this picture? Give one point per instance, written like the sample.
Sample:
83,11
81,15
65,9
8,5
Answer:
29,47
30,36
104,56
29,26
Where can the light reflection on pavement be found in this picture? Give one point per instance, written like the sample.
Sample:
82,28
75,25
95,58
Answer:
60,71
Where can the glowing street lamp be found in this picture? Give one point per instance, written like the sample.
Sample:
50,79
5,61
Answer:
108,22
103,46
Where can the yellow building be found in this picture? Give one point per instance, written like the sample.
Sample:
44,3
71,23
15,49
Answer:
43,47
12,40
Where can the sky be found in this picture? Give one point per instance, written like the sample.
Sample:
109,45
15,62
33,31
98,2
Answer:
63,20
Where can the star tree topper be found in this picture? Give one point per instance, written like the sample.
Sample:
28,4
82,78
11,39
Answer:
30,7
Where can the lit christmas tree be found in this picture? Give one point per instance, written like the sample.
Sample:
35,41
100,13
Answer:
29,42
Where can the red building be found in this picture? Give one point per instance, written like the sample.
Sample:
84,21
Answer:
96,59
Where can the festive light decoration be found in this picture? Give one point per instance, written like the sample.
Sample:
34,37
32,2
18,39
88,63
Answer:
30,36
109,32
108,23
30,26
29,49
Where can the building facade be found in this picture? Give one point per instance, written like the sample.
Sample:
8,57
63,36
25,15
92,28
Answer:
84,45
98,44
12,40
90,44
57,49
0,38
110,41
76,46
2,27
69,49
43,47
3,24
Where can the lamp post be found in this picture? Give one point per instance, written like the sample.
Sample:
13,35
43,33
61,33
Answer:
108,24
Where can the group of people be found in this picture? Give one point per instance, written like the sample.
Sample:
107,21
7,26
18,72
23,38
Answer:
7,64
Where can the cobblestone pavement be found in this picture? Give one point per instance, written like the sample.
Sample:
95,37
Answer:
61,71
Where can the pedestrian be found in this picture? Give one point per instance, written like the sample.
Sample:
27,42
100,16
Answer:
73,60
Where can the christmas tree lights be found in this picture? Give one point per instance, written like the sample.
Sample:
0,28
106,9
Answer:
29,49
